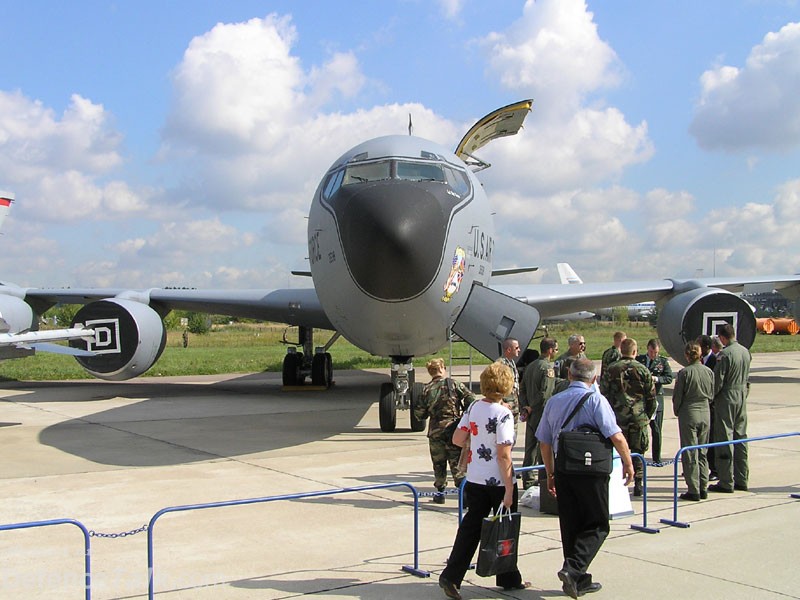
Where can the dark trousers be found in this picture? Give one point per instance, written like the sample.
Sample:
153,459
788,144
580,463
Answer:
481,499
712,463
583,517
532,454
655,430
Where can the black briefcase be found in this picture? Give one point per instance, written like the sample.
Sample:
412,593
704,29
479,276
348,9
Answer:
584,451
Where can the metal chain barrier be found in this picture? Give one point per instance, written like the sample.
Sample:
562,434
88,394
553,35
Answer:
122,534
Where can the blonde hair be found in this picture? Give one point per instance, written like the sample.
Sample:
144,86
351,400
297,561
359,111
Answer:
497,381
628,347
434,366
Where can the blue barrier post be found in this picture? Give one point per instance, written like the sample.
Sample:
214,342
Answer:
643,527
86,545
674,521
415,570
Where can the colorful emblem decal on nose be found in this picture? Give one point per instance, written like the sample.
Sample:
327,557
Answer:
453,282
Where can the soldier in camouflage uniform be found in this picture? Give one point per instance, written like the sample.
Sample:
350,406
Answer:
511,352
612,354
443,400
662,375
576,349
630,390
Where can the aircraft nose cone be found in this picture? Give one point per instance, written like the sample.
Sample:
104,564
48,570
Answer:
392,235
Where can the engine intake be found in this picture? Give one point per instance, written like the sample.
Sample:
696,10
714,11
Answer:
16,314
699,312
129,338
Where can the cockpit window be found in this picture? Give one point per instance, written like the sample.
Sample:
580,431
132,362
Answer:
416,171
458,181
361,173
381,170
333,183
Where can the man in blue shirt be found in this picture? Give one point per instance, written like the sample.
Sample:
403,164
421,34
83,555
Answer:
582,499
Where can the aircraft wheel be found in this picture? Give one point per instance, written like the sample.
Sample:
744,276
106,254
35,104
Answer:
291,369
322,369
416,397
387,408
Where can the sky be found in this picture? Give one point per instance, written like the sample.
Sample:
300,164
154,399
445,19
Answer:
178,143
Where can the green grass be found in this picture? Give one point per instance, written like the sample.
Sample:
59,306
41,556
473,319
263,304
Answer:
255,348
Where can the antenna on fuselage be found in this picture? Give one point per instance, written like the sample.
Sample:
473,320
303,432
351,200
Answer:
410,126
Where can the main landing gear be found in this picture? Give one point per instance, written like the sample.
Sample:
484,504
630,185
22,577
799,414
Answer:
312,362
403,393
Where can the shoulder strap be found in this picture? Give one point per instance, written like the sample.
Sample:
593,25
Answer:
577,408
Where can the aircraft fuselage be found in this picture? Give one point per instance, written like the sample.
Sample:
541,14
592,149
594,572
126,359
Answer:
398,231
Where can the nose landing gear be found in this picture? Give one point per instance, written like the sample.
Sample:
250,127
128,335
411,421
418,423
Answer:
403,393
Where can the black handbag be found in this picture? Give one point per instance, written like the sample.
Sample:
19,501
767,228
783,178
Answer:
584,451
499,540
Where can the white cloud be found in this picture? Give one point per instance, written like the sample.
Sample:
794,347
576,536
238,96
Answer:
757,105
554,53
451,8
33,140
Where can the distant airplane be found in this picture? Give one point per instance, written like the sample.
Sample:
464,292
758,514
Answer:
636,312
400,245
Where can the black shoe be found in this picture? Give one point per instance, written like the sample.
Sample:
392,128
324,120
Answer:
713,476
690,496
449,588
719,489
739,487
703,495
637,488
570,587
591,588
438,498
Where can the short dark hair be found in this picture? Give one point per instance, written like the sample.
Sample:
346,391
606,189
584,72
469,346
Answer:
547,343
704,341
726,330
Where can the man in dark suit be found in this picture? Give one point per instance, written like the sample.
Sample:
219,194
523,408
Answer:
709,359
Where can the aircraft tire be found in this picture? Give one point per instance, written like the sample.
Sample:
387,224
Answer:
291,369
387,408
416,396
322,369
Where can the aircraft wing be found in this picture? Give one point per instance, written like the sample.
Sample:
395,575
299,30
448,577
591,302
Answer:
554,299
291,306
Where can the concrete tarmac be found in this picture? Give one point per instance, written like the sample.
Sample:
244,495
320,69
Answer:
111,455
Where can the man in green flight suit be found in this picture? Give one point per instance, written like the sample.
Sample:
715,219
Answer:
576,349
662,375
443,400
535,388
731,386
629,388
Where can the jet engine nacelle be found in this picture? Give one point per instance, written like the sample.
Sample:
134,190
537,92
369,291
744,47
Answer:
700,311
129,337
17,314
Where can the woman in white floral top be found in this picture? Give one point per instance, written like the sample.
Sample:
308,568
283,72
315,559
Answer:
490,476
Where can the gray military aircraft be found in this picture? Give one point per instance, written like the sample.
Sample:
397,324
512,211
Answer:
401,245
